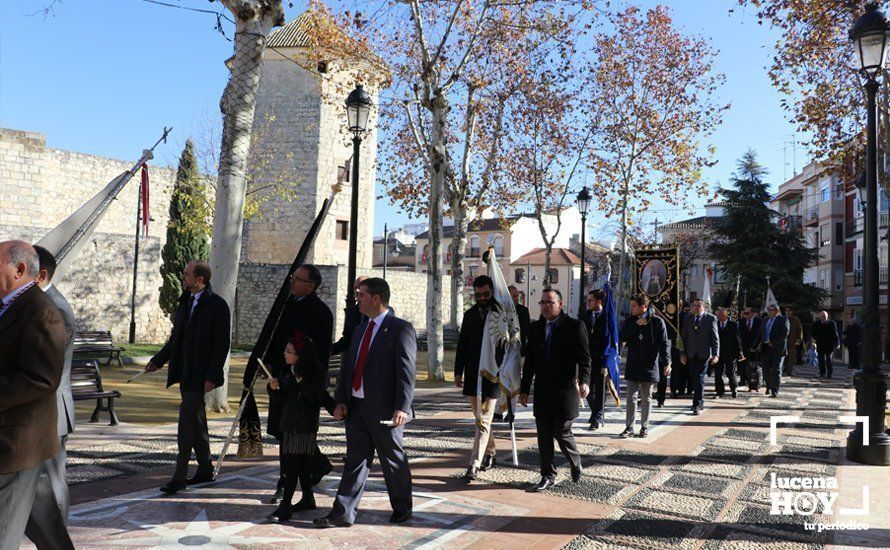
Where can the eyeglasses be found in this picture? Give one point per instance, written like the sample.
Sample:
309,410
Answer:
302,280
482,295
546,302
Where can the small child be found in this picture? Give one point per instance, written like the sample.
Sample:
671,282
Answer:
301,388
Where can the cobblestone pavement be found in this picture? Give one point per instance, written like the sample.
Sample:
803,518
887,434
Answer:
696,482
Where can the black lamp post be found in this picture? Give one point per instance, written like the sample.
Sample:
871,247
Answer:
358,109
583,207
870,37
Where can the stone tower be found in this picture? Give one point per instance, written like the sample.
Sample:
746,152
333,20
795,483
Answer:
300,129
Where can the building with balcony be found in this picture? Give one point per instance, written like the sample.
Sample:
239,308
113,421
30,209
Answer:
692,278
527,274
813,201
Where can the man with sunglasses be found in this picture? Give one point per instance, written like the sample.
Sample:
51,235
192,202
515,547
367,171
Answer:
304,312
466,375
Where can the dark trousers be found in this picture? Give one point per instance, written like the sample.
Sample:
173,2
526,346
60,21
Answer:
297,468
596,399
825,365
727,368
364,435
698,368
49,514
192,435
853,351
561,430
772,369
679,374
749,371
18,492
661,389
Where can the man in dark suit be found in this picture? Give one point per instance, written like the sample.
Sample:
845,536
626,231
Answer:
525,319
853,340
32,358
374,394
595,324
352,318
558,361
648,358
51,499
679,372
826,339
304,312
773,347
749,367
197,352
701,348
483,398
730,352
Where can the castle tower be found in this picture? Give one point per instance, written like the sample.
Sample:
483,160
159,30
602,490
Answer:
299,134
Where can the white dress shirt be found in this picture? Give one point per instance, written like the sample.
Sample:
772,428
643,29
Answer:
360,392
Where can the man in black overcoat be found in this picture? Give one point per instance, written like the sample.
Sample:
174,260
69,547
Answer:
730,352
196,353
595,324
826,339
558,361
648,359
749,367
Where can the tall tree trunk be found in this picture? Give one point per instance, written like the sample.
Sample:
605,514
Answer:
439,168
254,20
458,248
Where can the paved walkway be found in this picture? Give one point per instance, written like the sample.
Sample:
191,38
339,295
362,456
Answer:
696,482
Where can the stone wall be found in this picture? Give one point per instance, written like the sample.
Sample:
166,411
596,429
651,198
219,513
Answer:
259,283
40,186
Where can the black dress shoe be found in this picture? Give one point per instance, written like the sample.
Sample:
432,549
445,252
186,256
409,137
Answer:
400,517
173,487
643,433
576,474
594,425
194,480
735,394
472,473
542,485
304,504
281,514
488,462
696,411
327,522
628,432
276,498
659,404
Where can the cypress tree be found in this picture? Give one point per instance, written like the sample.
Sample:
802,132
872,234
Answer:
187,234
750,243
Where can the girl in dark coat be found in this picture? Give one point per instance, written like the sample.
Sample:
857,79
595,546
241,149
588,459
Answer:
301,391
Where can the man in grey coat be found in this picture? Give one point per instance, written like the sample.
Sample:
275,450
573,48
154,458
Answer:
374,395
701,348
773,348
51,500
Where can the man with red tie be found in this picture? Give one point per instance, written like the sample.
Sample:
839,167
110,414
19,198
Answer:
374,395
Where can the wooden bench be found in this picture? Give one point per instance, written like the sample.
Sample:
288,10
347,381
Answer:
86,383
97,342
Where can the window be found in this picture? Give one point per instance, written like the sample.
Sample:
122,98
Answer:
825,192
857,259
344,172
498,244
519,276
342,230
554,276
838,279
838,188
824,280
474,247
825,234
839,233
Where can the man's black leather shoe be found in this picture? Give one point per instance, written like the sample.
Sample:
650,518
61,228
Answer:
327,522
488,462
696,411
594,425
644,432
400,517
628,432
276,498
545,483
576,474
173,487
194,480
472,473
281,514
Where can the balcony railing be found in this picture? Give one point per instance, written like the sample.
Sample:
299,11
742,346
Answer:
811,215
858,276
854,226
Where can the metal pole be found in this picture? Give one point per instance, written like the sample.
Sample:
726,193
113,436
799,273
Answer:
385,247
581,298
353,223
870,382
132,338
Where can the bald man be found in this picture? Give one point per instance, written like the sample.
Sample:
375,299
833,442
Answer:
32,348
197,351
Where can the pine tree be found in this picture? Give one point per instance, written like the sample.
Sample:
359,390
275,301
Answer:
750,243
187,232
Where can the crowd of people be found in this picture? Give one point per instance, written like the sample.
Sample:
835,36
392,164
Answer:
563,363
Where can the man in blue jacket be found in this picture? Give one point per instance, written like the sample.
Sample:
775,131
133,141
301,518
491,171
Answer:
648,355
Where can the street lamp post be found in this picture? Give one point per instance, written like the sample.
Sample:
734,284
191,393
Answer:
870,36
358,109
583,207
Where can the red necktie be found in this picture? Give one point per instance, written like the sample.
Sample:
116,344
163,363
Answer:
362,357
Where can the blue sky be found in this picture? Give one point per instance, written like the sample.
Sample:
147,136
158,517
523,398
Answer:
104,77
